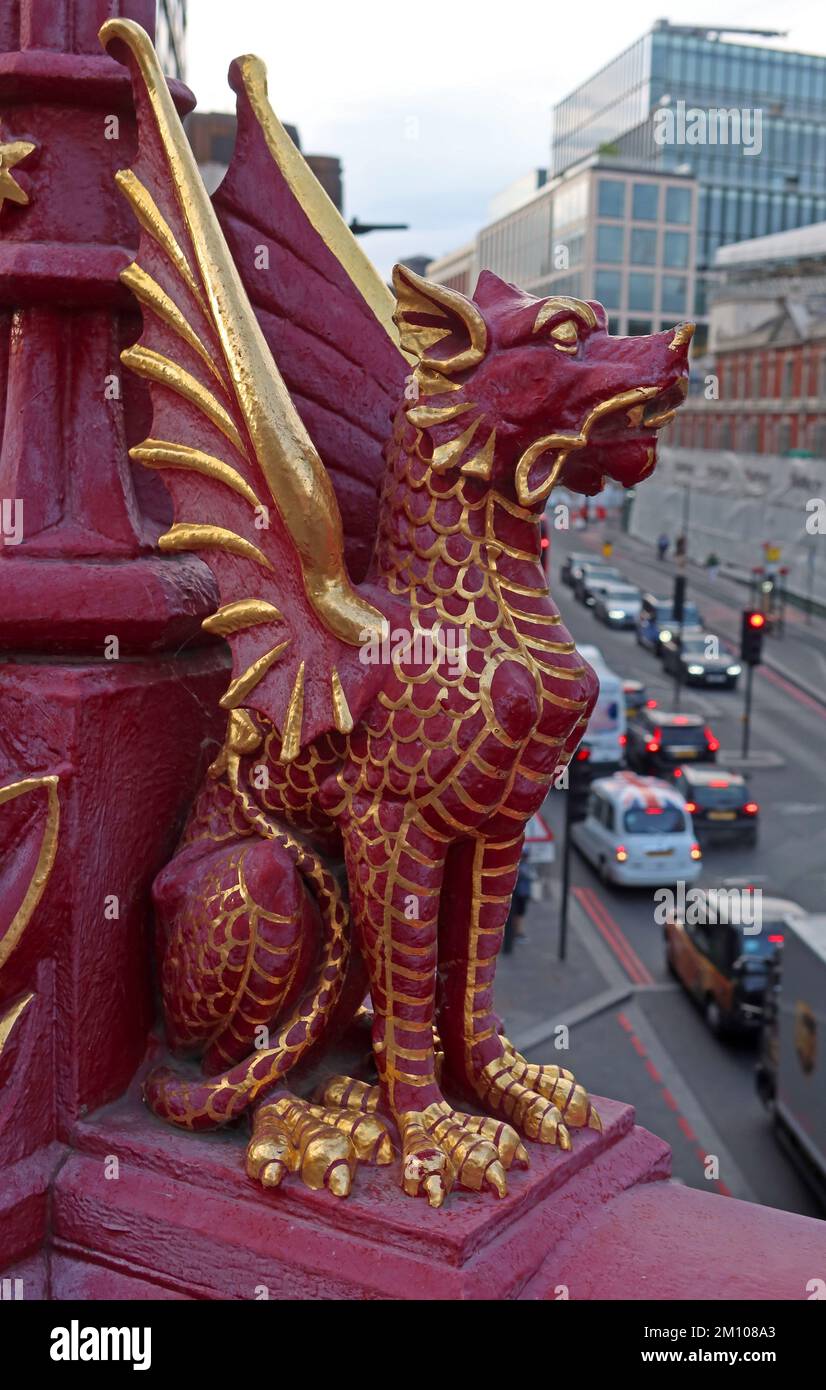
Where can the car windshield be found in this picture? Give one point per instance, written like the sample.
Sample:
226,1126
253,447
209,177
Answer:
695,646
601,574
654,820
622,596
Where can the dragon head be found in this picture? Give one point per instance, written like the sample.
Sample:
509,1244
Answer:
528,394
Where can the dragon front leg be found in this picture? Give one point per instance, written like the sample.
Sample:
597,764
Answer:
395,869
541,1101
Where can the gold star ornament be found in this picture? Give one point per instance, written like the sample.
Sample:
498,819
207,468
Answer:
11,153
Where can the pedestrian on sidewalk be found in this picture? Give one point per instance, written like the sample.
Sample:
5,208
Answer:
519,905
662,546
712,565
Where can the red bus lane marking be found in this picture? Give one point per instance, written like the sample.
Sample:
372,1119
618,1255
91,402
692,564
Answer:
668,1099
799,695
610,929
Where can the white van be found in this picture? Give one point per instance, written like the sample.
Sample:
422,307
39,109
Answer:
638,833
604,739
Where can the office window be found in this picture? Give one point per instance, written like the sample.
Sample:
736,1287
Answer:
678,205
646,202
788,377
638,327
643,246
611,198
610,242
640,291
673,294
675,250
607,287
613,322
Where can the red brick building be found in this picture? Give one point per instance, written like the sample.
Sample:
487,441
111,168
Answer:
765,389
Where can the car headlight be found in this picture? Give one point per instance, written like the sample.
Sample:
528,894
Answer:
616,612
665,635
695,670
733,670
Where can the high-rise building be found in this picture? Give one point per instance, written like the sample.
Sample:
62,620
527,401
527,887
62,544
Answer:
170,37
748,121
607,229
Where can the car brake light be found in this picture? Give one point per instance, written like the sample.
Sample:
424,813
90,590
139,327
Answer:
621,853
544,543
776,940
696,852
691,806
583,754
712,743
651,704
623,739
653,810
718,782
652,746
751,808
678,772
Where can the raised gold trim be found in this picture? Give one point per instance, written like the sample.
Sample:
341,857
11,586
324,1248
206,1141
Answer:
152,220
155,367
149,292
341,709
162,453
317,206
561,304
45,859
10,1018
418,296
190,536
291,733
295,474
245,612
566,443
238,689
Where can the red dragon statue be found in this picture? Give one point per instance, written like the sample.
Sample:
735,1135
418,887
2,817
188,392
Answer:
403,689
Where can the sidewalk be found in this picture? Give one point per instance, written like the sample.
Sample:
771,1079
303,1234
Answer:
799,656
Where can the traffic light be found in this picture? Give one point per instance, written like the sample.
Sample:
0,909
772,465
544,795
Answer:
752,627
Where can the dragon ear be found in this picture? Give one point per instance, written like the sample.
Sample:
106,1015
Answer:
438,325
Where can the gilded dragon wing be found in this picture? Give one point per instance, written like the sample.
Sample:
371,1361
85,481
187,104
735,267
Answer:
325,312
248,486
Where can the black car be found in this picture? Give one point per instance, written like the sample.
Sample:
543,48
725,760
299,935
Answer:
655,623
700,659
720,804
573,563
658,742
588,579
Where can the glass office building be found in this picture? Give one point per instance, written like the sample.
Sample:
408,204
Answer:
776,101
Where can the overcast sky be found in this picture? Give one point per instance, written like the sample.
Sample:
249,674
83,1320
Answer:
435,107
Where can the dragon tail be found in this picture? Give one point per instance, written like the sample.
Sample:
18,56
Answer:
210,1102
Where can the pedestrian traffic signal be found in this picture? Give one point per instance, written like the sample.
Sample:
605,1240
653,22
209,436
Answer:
752,628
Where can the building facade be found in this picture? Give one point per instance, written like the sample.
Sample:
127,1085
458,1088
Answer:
760,170
212,137
609,230
767,391
170,37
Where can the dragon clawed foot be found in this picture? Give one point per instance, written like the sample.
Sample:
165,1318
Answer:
543,1102
323,1144
443,1148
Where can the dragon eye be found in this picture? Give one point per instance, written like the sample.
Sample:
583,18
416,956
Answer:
565,337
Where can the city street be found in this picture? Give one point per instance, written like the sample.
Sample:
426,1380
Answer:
635,1034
